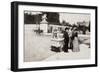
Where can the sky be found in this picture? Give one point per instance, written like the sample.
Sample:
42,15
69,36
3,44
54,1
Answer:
73,17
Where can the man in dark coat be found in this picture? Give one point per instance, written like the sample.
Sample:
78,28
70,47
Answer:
66,40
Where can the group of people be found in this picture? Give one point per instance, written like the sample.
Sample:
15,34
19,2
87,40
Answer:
69,41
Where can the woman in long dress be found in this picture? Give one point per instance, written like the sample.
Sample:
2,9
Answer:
75,41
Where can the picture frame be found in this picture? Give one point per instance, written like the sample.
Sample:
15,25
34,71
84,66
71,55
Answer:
21,21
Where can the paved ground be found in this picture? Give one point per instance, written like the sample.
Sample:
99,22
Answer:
37,48
83,54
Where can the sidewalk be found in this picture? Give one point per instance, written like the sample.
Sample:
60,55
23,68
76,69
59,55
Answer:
83,54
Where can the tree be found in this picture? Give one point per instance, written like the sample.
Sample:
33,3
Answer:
32,19
52,18
63,23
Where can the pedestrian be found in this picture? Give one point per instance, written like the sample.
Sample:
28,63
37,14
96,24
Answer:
66,40
75,41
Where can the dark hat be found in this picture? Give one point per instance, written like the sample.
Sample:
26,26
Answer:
66,28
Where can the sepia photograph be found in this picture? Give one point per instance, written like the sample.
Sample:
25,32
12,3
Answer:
52,36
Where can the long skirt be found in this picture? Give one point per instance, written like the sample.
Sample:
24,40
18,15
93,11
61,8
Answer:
75,45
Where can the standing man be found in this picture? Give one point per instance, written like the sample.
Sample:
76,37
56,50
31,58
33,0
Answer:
66,40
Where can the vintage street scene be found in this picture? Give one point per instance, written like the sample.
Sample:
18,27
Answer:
50,36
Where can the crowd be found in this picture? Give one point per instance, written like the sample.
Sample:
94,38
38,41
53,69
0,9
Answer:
69,40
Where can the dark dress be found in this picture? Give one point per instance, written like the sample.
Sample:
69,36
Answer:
66,41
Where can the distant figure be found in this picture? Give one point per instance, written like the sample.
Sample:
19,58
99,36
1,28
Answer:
75,41
66,40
